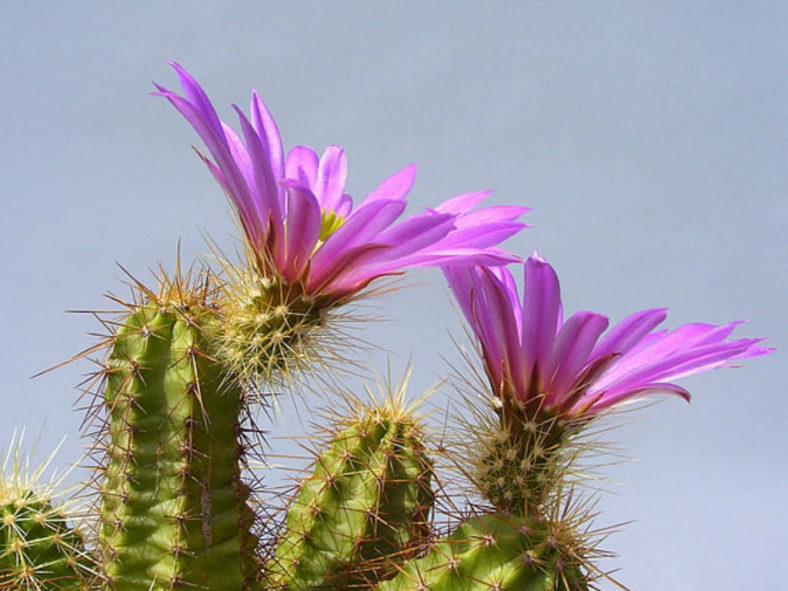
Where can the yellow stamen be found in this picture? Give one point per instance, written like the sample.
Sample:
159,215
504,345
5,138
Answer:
330,224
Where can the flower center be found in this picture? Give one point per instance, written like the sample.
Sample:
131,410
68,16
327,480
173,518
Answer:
330,224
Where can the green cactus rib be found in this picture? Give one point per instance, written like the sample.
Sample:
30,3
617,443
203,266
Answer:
493,552
38,549
174,509
363,511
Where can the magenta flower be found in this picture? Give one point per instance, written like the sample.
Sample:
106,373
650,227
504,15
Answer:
303,228
533,356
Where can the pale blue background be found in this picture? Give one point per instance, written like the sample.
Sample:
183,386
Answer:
649,138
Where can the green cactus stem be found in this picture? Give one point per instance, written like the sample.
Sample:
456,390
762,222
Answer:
39,550
495,552
363,511
174,512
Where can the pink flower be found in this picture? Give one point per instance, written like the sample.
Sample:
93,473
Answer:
302,227
532,356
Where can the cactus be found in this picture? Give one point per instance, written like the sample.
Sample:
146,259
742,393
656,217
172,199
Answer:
174,510
185,359
363,510
495,552
38,548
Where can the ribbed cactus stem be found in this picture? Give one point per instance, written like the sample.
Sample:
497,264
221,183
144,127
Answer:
363,511
494,552
39,549
174,508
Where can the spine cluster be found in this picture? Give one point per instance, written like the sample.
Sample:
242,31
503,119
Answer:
38,548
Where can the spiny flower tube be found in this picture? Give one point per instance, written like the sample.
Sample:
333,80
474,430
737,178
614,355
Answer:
310,249
550,377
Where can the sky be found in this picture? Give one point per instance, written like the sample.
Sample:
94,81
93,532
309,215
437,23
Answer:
649,139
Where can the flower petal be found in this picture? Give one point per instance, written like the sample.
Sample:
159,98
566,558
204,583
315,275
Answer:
462,203
362,226
507,281
482,228
342,278
302,229
331,177
607,400
466,284
460,280
415,233
345,206
490,215
576,372
197,97
409,240
672,366
301,165
481,236
573,344
462,257
265,186
500,304
397,186
541,302
655,347
217,143
279,201
270,138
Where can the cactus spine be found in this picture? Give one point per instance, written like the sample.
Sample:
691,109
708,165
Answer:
364,509
174,509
